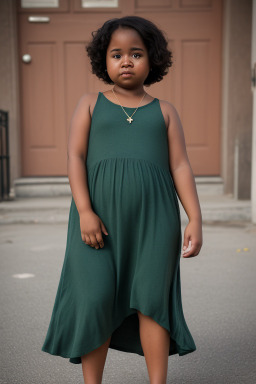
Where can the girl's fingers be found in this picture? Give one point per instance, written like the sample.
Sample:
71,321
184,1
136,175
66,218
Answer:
103,228
86,239
100,239
187,246
187,249
94,241
89,240
192,251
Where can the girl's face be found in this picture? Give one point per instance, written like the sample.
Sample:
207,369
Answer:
127,58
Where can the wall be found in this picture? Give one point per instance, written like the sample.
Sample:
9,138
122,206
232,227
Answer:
253,187
237,98
9,85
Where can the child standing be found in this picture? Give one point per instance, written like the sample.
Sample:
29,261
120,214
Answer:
120,282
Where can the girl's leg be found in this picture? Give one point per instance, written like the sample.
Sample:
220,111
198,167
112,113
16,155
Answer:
155,341
93,364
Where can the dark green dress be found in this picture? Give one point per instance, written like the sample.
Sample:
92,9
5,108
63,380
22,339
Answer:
132,191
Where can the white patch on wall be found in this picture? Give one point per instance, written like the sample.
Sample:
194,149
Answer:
99,3
39,3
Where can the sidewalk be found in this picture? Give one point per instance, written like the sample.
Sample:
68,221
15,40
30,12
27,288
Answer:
219,208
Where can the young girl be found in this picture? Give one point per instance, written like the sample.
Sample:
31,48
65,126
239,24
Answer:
120,282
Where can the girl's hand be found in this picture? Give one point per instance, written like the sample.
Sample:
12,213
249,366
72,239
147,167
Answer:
91,229
192,239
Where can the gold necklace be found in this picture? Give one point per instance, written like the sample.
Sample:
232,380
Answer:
129,117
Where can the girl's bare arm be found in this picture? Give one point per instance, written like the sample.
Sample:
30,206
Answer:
90,223
184,181
180,167
77,152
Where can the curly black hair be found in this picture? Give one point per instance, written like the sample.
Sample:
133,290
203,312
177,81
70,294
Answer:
153,38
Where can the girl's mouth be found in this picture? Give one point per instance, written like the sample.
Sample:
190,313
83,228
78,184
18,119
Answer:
126,74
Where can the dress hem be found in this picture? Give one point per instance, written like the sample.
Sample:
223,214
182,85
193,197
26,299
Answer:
78,355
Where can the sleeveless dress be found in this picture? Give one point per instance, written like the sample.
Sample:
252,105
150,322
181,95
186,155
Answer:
132,191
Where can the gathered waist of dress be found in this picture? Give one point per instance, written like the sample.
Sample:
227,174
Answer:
127,159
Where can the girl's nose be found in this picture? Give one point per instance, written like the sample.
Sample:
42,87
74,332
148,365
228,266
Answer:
126,61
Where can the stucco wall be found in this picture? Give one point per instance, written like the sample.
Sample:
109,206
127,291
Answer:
237,98
9,85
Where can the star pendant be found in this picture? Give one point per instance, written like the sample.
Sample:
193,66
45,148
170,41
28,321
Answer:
129,119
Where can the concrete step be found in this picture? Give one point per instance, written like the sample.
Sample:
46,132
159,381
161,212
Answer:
209,185
47,200
223,209
59,186
41,187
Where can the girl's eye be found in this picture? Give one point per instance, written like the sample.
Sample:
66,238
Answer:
118,55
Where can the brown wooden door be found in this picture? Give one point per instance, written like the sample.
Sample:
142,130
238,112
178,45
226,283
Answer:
59,73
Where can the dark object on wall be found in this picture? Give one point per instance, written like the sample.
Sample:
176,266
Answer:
4,157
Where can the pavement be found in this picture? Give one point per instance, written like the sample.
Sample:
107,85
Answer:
218,296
